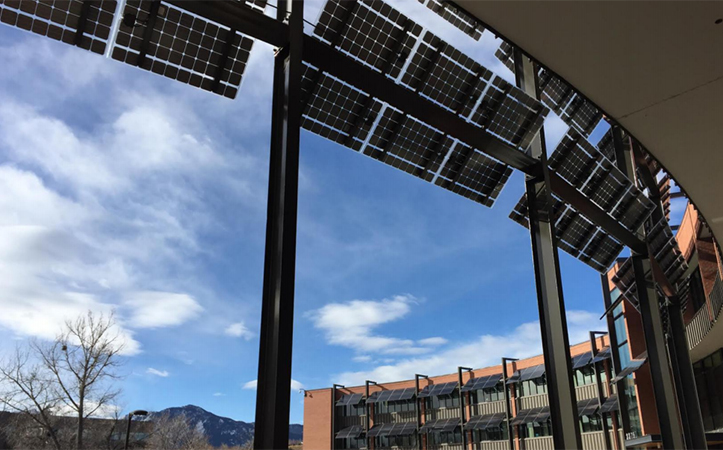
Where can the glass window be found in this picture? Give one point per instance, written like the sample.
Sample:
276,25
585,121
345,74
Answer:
492,434
443,401
584,376
488,395
350,443
536,429
394,441
590,423
534,387
445,437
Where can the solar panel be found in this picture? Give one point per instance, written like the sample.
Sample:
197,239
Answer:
440,425
632,366
374,34
611,404
391,396
606,145
433,390
602,355
624,280
531,415
559,96
168,41
349,399
380,430
456,16
485,422
487,382
86,24
393,429
587,407
353,431
529,373
594,247
581,360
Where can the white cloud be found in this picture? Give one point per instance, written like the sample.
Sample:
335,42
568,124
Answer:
523,341
219,394
158,373
160,309
238,329
351,324
433,341
253,384
362,358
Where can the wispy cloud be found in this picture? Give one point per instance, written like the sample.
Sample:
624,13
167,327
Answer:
158,373
238,329
351,324
219,394
253,384
486,350
160,309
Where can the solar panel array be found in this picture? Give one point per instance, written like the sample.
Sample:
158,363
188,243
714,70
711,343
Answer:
349,399
353,431
529,373
611,404
86,24
632,366
587,407
602,355
391,396
485,422
559,96
374,34
532,415
440,425
576,235
581,360
456,16
168,41
487,382
433,390
393,429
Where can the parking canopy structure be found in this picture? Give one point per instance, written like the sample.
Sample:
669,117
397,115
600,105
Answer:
373,80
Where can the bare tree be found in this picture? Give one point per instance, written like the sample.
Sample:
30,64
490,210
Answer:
177,433
73,375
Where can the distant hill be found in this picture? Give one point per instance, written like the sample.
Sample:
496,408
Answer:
221,430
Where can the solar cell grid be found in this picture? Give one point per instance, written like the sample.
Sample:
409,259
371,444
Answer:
353,431
438,389
173,43
587,407
457,17
581,360
380,430
582,114
532,373
440,425
531,415
403,429
504,54
485,422
602,355
611,404
349,399
86,24
486,382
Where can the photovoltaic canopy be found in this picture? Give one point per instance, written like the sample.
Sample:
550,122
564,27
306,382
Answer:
559,96
353,431
86,24
486,382
587,407
602,355
349,399
485,422
391,396
438,389
532,415
611,404
374,34
529,373
581,360
440,425
632,366
456,16
393,429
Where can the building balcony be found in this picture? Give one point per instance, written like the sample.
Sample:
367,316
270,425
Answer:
703,336
441,413
445,447
348,421
394,417
593,440
492,445
533,401
481,409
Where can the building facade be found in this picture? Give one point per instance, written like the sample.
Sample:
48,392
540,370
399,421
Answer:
506,406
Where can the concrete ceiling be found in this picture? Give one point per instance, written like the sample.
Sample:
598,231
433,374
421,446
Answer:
656,67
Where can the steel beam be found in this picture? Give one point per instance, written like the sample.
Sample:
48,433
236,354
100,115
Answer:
417,409
277,313
551,304
461,404
508,412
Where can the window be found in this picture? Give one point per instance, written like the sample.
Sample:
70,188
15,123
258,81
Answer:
708,373
491,434
351,443
631,398
350,410
535,386
394,441
489,394
697,293
444,437
397,407
592,423
585,375
443,401
536,429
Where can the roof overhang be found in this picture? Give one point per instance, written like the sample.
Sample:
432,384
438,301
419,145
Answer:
655,67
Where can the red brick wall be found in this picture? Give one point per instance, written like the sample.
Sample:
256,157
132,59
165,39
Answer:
317,419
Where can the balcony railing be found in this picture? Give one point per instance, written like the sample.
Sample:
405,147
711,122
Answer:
445,447
442,413
701,324
585,392
533,401
480,409
394,417
539,443
348,421
493,445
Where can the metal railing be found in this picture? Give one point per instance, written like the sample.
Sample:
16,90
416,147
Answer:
700,326
480,409
585,392
533,401
539,443
493,445
445,447
442,413
347,421
394,417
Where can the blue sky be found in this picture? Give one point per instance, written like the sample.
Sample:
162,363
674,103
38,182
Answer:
126,191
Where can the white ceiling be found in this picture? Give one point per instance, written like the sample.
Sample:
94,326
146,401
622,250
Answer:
656,67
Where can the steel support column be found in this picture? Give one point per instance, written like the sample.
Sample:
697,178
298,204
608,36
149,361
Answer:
688,387
462,416
553,323
277,313
333,414
599,386
367,409
508,410
418,409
